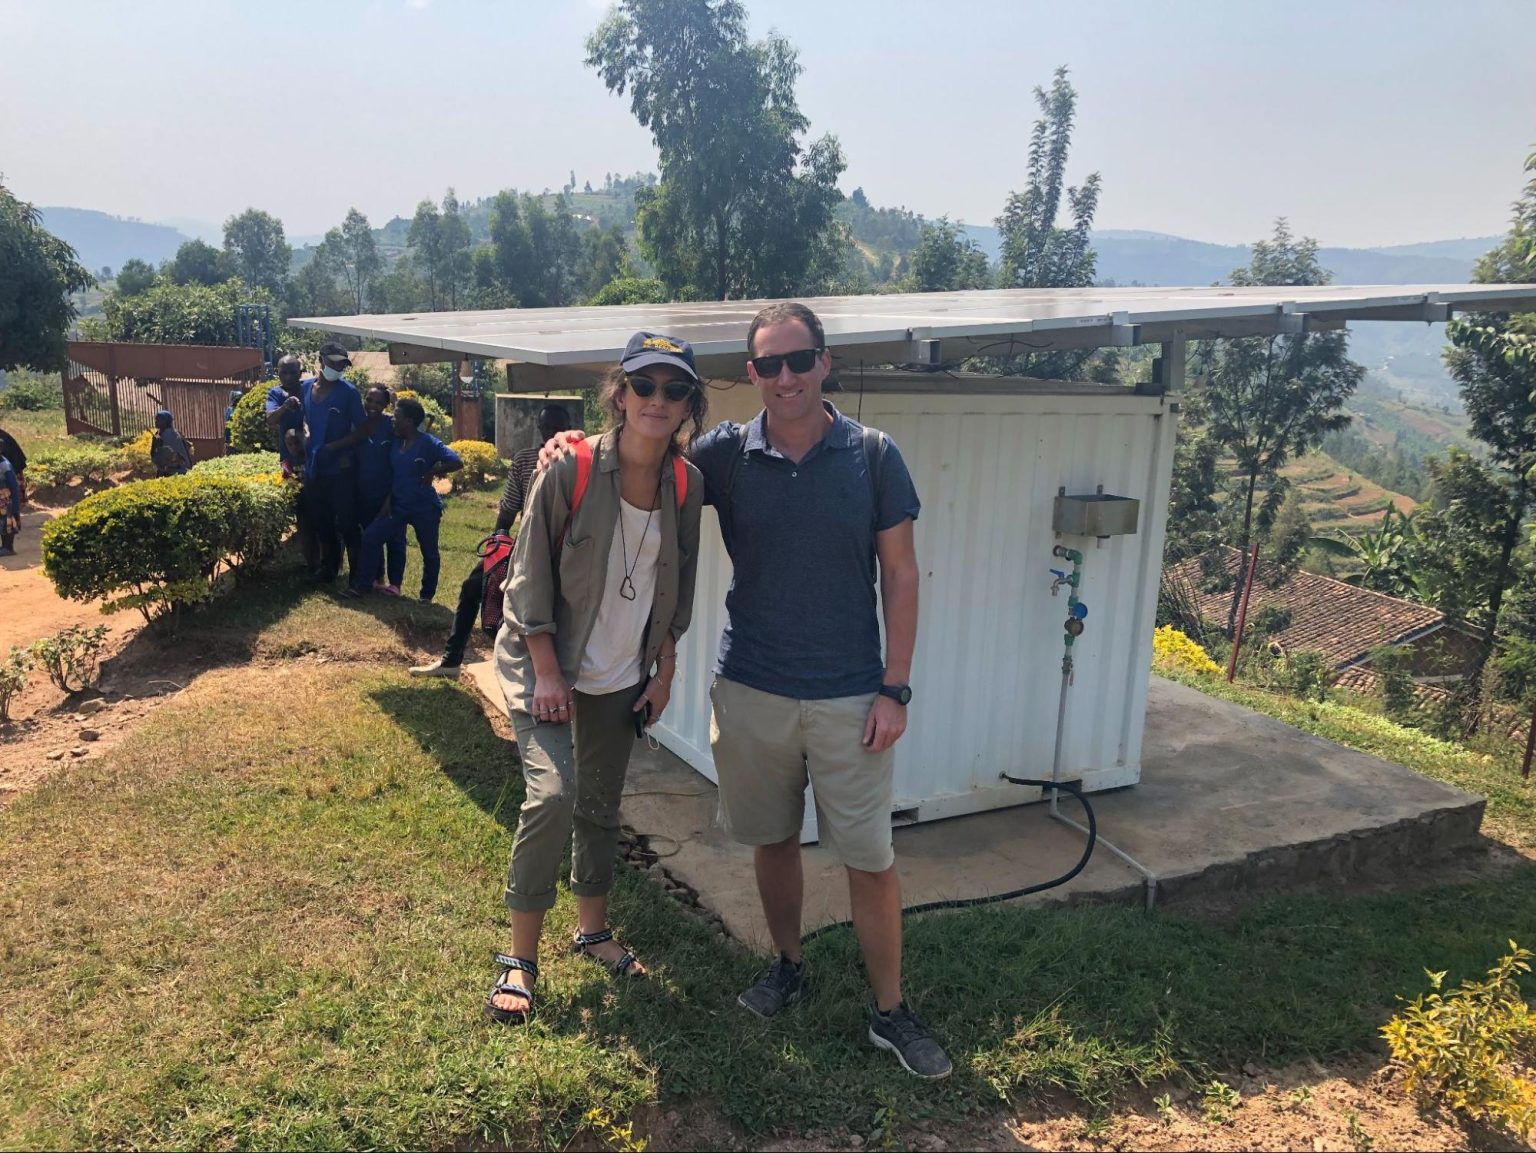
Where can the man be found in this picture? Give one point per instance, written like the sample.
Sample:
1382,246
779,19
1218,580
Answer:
553,420
285,426
801,692
333,412
168,449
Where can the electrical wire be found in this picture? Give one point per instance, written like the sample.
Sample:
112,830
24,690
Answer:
971,902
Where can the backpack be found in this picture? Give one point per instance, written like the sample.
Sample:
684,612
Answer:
495,551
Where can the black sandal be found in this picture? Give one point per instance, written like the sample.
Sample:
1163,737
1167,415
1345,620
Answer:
510,965
620,968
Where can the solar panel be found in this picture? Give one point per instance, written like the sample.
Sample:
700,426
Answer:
1058,317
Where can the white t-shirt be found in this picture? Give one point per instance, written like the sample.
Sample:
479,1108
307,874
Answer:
612,659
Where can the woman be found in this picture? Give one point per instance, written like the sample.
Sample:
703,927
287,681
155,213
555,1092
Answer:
416,458
580,664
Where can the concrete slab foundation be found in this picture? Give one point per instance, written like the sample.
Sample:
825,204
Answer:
1229,800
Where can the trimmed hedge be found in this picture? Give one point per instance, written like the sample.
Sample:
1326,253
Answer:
156,545
244,466
481,465
91,462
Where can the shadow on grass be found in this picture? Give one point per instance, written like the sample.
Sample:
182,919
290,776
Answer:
246,620
1087,999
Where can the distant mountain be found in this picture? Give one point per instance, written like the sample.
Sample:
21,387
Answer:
1133,256
101,240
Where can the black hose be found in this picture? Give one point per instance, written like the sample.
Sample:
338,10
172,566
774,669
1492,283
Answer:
969,902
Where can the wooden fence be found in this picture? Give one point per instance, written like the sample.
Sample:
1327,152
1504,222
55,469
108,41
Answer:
115,389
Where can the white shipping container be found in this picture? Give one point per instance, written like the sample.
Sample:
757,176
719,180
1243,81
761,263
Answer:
987,674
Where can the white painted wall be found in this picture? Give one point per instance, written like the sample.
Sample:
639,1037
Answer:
988,668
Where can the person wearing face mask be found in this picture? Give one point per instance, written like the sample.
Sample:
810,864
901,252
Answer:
374,478
333,413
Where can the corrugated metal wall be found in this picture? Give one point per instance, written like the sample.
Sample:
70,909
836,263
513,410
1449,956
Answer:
988,668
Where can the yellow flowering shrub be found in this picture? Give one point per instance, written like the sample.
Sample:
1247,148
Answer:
1171,649
481,464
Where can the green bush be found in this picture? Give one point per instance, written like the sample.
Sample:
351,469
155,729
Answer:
481,465
1391,667
30,392
248,431
156,545
91,462
72,657
265,465
13,678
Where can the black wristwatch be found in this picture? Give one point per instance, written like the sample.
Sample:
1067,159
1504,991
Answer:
901,694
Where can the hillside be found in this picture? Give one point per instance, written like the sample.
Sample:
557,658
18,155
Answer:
103,241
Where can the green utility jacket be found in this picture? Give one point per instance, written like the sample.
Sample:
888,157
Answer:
556,588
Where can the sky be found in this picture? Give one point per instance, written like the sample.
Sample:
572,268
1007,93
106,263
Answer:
1365,122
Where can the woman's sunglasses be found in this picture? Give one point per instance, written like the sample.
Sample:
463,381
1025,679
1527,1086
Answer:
674,390
802,360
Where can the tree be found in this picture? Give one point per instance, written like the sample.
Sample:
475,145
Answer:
946,260
1269,399
1036,253
1493,360
134,277
39,273
740,205
196,262
426,239
454,241
179,313
257,249
631,290
351,253
605,256
312,290
1388,558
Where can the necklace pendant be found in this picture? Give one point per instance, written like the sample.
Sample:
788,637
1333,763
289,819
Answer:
627,589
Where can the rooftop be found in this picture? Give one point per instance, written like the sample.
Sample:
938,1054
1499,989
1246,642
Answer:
1341,621
890,329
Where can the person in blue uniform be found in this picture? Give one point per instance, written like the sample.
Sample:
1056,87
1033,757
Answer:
373,484
333,411
415,460
285,426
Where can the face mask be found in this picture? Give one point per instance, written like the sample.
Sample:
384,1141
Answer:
330,373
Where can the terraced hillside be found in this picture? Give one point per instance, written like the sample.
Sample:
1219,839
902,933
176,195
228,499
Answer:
1338,499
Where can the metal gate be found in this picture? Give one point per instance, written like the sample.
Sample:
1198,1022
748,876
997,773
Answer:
115,389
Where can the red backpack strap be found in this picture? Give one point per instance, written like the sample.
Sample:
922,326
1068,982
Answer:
680,479
582,451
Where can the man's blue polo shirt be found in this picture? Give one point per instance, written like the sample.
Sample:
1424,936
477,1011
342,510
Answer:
803,614
330,419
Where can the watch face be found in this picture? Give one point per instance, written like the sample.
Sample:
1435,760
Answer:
901,694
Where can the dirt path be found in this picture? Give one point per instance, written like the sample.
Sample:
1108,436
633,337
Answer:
29,608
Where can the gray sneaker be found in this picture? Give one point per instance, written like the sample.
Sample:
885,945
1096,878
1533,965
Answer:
902,1032
778,988
438,668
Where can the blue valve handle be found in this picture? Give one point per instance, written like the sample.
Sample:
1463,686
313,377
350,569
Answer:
1080,610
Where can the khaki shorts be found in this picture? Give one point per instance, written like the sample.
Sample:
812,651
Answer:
767,747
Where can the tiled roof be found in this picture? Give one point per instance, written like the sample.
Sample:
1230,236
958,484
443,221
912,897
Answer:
1340,621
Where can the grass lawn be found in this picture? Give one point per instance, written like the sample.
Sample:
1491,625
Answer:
38,432
266,919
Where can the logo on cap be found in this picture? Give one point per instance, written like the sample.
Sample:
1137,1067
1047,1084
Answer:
661,343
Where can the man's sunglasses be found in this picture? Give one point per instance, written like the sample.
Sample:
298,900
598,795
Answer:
674,390
802,360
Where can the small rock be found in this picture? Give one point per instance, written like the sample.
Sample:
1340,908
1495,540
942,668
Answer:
1250,1069
855,1142
92,706
1178,1094
1317,1145
90,735
56,755
78,751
